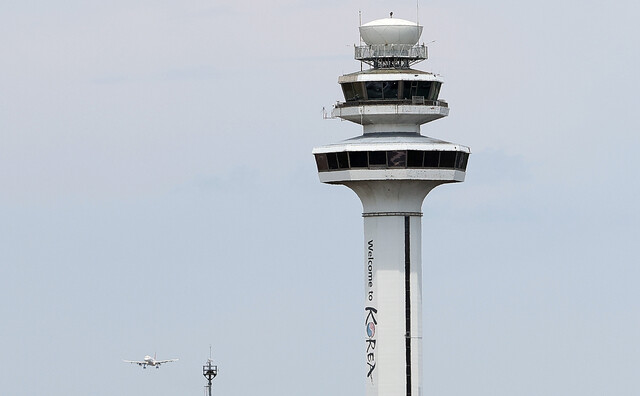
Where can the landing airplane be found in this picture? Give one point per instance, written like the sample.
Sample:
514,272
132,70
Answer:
149,361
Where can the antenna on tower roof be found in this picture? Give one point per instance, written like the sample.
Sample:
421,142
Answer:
360,35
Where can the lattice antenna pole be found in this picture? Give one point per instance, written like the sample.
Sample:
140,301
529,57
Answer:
209,371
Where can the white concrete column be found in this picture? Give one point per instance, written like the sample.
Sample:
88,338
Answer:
393,285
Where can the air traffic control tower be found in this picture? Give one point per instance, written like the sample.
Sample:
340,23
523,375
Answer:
392,167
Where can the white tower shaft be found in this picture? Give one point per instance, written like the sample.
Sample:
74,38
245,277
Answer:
393,285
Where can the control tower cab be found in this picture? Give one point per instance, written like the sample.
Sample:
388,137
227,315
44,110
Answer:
391,101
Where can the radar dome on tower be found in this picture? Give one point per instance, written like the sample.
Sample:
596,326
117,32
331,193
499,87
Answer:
390,31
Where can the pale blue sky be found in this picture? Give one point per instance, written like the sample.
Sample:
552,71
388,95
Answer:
158,194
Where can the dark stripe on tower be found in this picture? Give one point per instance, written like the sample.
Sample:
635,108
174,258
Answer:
407,300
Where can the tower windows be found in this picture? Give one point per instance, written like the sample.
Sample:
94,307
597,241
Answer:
374,89
434,91
343,160
321,162
381,89
429,90
397,159
416,88
447,159
415,158
390,90
332,160
353,91
431,159
377,158
358,159
393,159
349,92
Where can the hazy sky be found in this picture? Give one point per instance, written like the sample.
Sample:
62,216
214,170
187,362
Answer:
158,194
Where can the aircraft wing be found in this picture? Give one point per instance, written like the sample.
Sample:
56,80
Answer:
166,361
135,362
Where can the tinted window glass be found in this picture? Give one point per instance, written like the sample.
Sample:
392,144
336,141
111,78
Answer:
321,161
397,159
392,159
435,91
374,89
377,158
390,90
459,157
414,158
359,90
349,92
343,160
431,159
416,88
358,159
332,160
423,89
447,159
465,158
353,91
410,89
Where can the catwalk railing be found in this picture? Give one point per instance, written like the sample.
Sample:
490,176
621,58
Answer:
391,55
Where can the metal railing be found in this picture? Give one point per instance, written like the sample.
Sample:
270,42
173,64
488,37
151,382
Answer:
391,54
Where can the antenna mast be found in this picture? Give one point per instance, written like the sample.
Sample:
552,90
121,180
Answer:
360,24
209,371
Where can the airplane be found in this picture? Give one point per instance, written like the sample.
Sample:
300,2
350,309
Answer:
149,361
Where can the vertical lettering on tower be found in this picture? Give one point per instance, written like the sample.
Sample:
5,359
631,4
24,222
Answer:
371,312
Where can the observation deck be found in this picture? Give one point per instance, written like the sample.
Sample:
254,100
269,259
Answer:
391,156
391,96
410,113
